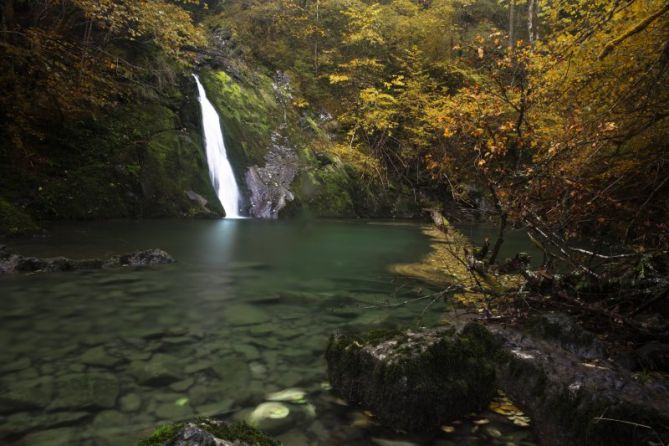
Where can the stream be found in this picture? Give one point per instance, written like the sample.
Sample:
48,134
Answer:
102,357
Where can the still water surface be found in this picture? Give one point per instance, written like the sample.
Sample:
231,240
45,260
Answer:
102,357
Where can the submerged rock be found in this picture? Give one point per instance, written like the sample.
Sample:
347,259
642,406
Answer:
25,422
63,436
208,433
130,402
244,314
85,391
272,417
25,394
415,380
160,370
16,263
98,356
293,395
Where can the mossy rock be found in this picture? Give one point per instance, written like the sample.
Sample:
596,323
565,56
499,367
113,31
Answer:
415,380
249,113
207,432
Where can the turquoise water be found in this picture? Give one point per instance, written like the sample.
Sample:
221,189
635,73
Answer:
102,357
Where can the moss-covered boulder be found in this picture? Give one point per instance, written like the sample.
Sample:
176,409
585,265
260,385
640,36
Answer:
208,433
575,400
415,380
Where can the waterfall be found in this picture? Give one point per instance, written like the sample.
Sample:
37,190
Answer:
220,169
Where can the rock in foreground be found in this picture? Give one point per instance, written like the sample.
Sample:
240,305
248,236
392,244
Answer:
208,433
575,399
415,380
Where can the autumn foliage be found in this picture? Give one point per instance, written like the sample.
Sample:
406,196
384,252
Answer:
67,57
556,111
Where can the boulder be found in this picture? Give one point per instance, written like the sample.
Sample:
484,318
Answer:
576,400
201,203
208,432
415,380
563,330
141,258
16,263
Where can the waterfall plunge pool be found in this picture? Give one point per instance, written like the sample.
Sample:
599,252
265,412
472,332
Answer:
102,357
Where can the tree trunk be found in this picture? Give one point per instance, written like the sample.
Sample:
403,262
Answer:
8,15
502,225
512,20
530,21
318,4
532,17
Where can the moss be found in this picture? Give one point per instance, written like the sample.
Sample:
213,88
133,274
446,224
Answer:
229,432
162,435
248,111
14,221
241,432
136,160
324,192
415,381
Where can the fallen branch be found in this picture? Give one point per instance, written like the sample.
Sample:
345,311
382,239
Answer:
630,423
643,24
657,298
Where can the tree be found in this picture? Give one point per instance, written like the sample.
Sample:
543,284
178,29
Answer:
71,57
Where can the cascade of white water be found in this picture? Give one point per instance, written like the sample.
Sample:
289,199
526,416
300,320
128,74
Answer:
220,169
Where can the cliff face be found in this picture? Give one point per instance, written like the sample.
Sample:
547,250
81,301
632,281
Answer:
136,160
280,152
144,156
